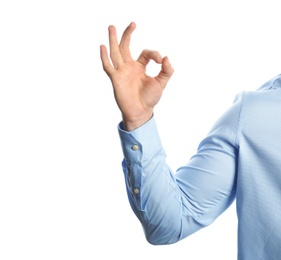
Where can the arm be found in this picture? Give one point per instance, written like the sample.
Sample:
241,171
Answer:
173,205
170,206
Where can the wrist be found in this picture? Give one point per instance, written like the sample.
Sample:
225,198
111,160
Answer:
134,123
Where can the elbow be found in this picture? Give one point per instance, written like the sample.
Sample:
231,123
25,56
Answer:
171,234
162,236
159,242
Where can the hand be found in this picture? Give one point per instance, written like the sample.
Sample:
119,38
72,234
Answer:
135,92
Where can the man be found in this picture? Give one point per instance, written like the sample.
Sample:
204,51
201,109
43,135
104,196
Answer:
239,159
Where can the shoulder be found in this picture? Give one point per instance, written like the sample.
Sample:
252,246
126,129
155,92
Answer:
273,83
269,91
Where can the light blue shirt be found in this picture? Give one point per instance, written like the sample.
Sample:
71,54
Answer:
240,159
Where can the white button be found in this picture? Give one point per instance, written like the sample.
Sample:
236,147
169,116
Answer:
136,191
135,147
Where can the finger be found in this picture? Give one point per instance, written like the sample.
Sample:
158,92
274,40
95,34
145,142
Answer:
115,54
107,67
148,55
125,42
166,72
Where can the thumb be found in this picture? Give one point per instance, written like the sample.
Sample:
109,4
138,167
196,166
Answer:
166,72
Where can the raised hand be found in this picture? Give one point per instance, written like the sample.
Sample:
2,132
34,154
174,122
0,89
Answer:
135,92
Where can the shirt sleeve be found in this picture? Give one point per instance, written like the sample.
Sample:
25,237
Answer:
173,205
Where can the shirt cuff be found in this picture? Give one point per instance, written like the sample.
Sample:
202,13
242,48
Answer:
140,144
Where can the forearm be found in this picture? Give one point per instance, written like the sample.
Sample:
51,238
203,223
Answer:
157,206
152,190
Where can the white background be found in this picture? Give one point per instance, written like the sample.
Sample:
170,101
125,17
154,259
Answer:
62,192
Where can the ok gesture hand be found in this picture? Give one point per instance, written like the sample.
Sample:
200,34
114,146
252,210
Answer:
135,92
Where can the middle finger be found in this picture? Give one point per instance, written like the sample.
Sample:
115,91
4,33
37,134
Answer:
125,42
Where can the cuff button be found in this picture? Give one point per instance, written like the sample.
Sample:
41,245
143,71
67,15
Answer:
135,147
